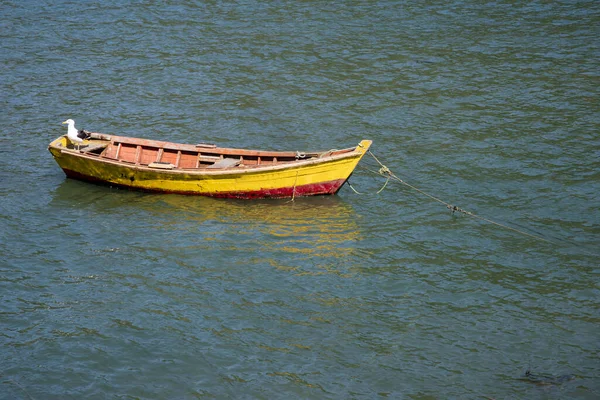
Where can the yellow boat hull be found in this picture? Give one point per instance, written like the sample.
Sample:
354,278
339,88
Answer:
312,176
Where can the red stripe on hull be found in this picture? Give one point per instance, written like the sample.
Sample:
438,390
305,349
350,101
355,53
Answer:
322,188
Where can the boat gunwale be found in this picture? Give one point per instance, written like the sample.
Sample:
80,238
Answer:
351,152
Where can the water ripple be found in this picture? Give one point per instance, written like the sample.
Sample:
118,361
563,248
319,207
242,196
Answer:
490,106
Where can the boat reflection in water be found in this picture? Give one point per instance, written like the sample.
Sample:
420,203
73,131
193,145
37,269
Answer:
311,235
314,232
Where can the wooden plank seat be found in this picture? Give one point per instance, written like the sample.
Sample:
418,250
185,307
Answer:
225,163
161,165
90,148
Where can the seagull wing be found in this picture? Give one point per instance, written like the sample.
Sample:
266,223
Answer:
83,134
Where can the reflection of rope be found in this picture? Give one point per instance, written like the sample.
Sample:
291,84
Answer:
390,175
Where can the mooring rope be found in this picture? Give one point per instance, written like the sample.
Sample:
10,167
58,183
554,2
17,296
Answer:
390,175
19,386
294,189
379,191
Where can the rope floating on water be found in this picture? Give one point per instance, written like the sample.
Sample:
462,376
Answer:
379,191
390,175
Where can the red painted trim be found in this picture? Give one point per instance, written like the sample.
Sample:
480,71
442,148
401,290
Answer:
323,188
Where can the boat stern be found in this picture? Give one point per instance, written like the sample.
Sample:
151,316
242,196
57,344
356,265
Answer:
63,142
60,141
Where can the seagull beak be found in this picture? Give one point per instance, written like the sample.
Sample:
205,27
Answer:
65,122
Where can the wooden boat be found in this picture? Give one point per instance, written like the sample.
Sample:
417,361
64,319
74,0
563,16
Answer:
205,169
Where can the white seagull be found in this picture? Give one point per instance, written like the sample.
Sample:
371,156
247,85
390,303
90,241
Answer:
75,135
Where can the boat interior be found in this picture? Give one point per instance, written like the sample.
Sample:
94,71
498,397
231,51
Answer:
167,155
